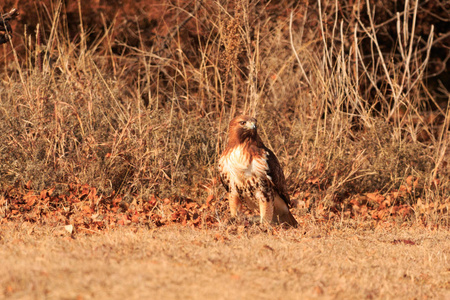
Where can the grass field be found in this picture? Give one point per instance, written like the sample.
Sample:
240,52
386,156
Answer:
177,262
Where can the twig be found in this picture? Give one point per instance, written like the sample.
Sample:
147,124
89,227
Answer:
4,24
296,54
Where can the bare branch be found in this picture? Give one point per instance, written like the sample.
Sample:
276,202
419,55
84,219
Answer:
4,24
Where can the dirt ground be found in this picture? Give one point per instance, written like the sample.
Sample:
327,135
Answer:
232,262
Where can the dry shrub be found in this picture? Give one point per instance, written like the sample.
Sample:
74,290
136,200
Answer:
143,111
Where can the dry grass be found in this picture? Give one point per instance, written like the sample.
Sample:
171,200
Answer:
146,114
173,262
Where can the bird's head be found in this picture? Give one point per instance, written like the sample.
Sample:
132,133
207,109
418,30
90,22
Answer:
243,127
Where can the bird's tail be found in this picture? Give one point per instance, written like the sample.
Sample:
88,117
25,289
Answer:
281,213
285,218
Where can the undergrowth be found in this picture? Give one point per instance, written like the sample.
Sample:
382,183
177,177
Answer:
142,114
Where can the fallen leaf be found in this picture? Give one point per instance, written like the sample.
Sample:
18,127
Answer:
403,241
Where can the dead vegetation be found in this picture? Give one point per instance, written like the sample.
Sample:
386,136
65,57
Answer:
136,107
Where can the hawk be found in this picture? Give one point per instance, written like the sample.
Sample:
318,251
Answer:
251,174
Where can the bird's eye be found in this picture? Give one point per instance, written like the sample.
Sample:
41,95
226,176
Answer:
242,122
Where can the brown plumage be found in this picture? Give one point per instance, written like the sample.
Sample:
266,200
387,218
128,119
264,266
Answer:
251,174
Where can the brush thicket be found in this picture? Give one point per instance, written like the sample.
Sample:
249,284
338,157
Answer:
343,115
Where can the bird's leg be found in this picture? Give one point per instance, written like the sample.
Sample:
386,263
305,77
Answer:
265,207
235,204
266,211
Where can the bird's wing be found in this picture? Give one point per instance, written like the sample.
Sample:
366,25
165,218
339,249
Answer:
276,174
223,176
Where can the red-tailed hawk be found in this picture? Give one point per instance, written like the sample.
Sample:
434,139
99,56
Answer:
251,173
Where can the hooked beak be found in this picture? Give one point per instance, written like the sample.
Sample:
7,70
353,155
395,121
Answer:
250,125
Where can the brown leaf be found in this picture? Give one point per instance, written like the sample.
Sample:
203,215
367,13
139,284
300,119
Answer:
209,199
43,194
375,197
135,219
403,241
31,200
